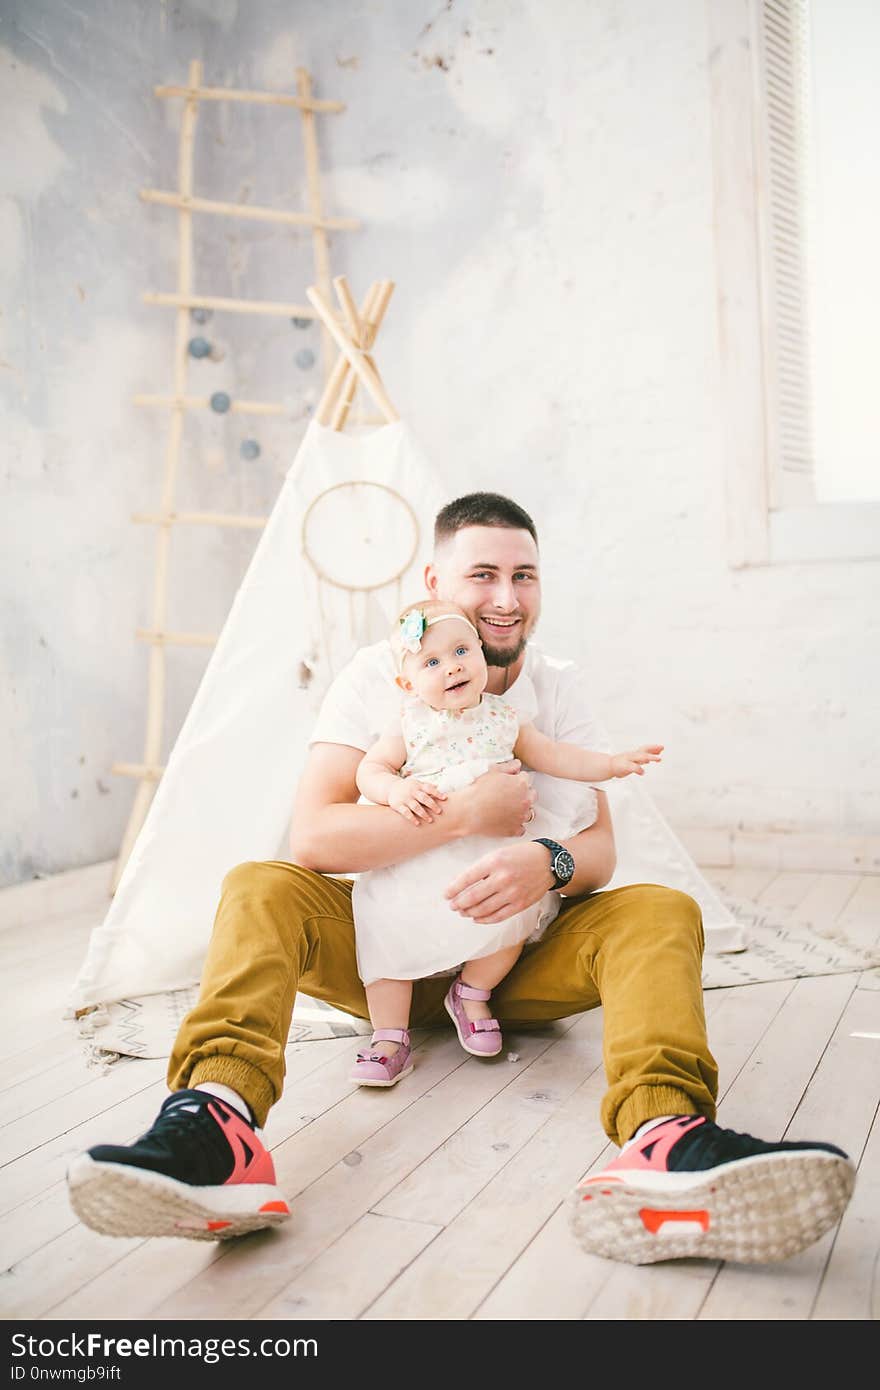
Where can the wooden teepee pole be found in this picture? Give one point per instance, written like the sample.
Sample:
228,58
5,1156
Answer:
338,380
156,677
371,322
362,365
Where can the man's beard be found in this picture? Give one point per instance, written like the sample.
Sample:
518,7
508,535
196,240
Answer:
505,658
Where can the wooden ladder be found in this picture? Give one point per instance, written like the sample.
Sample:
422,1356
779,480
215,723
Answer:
338,393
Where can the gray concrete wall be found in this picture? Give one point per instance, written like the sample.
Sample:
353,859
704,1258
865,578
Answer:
536,178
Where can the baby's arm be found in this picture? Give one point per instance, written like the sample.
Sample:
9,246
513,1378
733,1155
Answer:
378,779
578,764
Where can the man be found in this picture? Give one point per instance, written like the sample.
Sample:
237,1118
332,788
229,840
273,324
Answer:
681,1186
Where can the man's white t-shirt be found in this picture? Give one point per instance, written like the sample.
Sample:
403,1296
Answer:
363,700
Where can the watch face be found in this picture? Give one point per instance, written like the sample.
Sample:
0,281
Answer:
563,866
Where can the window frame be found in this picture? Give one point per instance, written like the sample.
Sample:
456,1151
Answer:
766,523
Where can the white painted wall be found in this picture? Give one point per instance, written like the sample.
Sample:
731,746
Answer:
536,177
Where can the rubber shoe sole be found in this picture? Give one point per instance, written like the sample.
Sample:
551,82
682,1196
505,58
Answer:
752,1211
117,1200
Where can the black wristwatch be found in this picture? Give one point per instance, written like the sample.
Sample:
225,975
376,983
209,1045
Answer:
561,863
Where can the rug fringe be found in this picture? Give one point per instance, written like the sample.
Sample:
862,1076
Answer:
98,1058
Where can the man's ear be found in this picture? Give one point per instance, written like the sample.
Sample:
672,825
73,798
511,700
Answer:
404,684
431,580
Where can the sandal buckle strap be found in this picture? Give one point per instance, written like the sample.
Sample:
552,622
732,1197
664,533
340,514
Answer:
471,992
398,1035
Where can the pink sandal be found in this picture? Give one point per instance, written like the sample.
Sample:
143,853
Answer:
479,1036
372,1069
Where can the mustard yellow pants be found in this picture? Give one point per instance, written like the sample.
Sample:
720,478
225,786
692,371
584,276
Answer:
635,951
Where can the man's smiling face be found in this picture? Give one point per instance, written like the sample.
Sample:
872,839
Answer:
492,572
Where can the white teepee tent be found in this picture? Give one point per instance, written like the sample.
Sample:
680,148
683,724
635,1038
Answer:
345,545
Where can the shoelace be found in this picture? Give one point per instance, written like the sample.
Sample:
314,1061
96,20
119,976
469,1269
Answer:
177,1116
715,1145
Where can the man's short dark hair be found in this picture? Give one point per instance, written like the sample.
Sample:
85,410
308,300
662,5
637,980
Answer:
481,509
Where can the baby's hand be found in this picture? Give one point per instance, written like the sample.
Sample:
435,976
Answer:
623,764
416,801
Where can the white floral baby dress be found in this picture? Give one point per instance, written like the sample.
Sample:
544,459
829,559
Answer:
404,928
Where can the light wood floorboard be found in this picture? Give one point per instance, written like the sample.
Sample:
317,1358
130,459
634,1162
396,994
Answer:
445,1198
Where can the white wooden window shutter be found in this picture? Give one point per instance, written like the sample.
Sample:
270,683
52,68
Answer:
784,167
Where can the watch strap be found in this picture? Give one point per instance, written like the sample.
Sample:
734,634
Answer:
555,848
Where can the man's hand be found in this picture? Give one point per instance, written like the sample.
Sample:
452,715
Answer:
502,883
415,801
622,764
498,803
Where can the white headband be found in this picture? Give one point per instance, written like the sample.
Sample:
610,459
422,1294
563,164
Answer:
415,625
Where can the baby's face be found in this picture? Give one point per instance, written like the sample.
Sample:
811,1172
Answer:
449,672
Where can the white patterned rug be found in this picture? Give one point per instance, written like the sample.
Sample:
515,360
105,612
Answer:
777,949
146,1026
780,949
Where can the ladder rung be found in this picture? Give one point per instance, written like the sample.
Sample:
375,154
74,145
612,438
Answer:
245,210
232,306
177,639
145,771
262,98
204,403
251,523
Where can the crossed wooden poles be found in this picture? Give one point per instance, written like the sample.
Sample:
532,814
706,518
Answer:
354,337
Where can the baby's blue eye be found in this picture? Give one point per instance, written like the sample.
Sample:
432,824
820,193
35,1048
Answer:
461,651
432,661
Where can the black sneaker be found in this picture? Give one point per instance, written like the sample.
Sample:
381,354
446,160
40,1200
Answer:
689,1189
199,1172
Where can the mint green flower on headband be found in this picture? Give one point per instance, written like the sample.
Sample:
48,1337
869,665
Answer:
412,629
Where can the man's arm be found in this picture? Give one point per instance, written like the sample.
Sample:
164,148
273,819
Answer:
593,850
332,834
511,879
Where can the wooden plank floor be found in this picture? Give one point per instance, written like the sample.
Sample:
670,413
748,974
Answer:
444,1198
